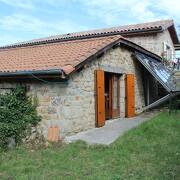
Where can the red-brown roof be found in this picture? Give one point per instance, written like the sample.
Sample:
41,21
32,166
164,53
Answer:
120,30
62,55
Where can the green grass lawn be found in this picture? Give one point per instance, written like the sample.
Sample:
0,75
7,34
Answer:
150,151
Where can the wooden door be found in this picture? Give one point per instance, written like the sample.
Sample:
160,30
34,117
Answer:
100,98
130,96
115,96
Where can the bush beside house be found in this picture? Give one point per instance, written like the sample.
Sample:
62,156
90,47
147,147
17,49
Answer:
17,116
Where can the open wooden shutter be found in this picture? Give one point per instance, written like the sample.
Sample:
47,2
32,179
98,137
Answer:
130,97
100,99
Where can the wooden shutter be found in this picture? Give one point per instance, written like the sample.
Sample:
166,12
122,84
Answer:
100,99
130,97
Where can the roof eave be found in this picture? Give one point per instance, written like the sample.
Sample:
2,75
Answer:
142,32
59,72
173,34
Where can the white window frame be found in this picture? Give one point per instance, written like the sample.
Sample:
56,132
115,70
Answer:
168,51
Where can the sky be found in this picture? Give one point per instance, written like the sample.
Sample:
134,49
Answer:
22,20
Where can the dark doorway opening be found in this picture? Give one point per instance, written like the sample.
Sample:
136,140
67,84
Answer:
107,96
112,95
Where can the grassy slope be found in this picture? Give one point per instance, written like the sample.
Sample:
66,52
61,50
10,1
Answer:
150,151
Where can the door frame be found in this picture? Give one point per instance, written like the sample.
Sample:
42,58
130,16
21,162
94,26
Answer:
115,113
100,97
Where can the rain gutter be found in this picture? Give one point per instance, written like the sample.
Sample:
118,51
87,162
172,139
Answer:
33,72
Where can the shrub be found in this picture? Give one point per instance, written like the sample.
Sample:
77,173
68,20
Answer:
17,115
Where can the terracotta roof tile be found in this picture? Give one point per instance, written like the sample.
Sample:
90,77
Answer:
63,55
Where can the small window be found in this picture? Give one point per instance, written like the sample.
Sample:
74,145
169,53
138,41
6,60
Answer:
168,52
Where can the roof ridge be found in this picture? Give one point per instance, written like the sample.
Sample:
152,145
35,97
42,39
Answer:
93,33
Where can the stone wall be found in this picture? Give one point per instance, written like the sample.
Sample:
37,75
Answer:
154,43
72,106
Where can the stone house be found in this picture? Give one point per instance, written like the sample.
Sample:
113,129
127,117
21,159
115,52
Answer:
80,81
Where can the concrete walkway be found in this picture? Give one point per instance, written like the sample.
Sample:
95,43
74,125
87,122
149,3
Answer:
111,131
